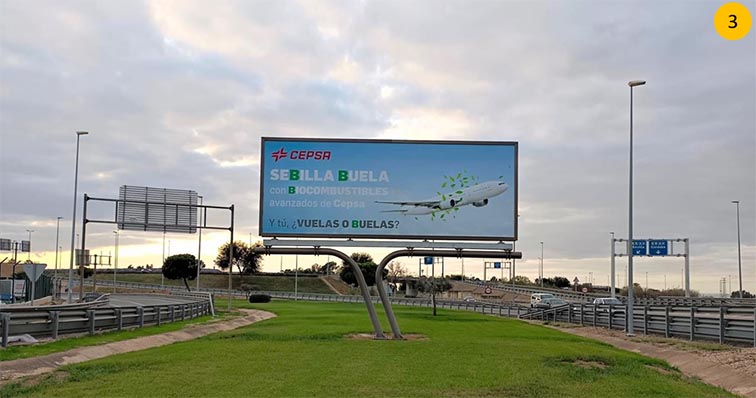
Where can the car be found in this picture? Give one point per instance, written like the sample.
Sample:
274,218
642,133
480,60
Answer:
536,298
550,302
606,303
469,299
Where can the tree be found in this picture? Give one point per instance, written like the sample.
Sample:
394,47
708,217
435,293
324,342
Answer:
560,282
396,270
181,266
245,260
331,267
359,258
746,294
366,264
433,286
87,271
522,280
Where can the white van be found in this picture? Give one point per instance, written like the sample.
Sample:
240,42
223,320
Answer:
536,298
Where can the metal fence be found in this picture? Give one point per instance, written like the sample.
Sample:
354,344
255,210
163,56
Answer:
722,324
512,310
588,297
51,322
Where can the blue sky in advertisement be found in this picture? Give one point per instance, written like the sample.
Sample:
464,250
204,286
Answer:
319,203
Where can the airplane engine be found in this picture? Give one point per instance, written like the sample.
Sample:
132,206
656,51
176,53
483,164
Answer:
452,203
481,203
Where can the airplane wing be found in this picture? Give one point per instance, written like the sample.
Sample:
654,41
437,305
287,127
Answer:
428,203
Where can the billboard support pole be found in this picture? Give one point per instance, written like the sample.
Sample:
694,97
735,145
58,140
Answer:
317,250
458,253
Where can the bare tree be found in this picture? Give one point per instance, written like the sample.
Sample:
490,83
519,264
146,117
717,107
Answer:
396,270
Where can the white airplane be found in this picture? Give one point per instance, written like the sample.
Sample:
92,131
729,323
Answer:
477,195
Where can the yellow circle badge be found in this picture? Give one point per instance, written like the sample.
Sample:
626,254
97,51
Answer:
732,21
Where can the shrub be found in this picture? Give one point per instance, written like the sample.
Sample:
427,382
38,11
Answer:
259,298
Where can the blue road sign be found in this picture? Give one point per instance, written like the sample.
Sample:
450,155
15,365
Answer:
428,260
657,248
640,247
497,265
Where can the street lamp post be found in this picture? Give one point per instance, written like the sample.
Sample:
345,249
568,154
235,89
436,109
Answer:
630,286
740,274
28,258
115,264
57,239
73,218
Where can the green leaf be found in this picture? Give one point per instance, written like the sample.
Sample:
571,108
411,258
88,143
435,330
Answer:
443,197
451,179
456,209
459,175
442,216
443,185
459,192
501,177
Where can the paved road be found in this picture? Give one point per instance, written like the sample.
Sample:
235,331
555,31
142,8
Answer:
130,300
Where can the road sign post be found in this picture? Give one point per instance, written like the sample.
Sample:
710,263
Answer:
658,248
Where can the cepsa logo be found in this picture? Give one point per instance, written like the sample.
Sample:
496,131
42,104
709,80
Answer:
301,155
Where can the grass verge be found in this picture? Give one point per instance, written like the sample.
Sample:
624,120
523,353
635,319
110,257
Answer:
67,343
220,281
305,352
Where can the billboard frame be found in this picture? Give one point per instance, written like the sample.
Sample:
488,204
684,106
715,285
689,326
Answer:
516,184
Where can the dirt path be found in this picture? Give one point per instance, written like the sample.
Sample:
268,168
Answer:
11,370
732,369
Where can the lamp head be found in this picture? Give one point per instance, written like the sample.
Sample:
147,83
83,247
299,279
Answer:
633,83
735,201
82,132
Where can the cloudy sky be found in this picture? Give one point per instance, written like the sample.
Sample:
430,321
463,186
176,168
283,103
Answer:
177,94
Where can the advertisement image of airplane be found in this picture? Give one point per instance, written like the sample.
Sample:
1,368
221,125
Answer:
476,195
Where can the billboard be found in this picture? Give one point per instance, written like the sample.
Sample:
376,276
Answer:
388,189
156,209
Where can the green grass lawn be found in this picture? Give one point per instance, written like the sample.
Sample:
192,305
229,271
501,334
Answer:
303,353
218,281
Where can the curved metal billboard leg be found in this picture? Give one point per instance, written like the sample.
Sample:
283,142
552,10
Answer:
415,252
382,292
355,268
366,296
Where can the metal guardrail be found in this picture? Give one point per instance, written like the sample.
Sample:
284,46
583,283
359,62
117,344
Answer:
695,301
588,297
513,310
722,324
51,322
565,294
737,323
